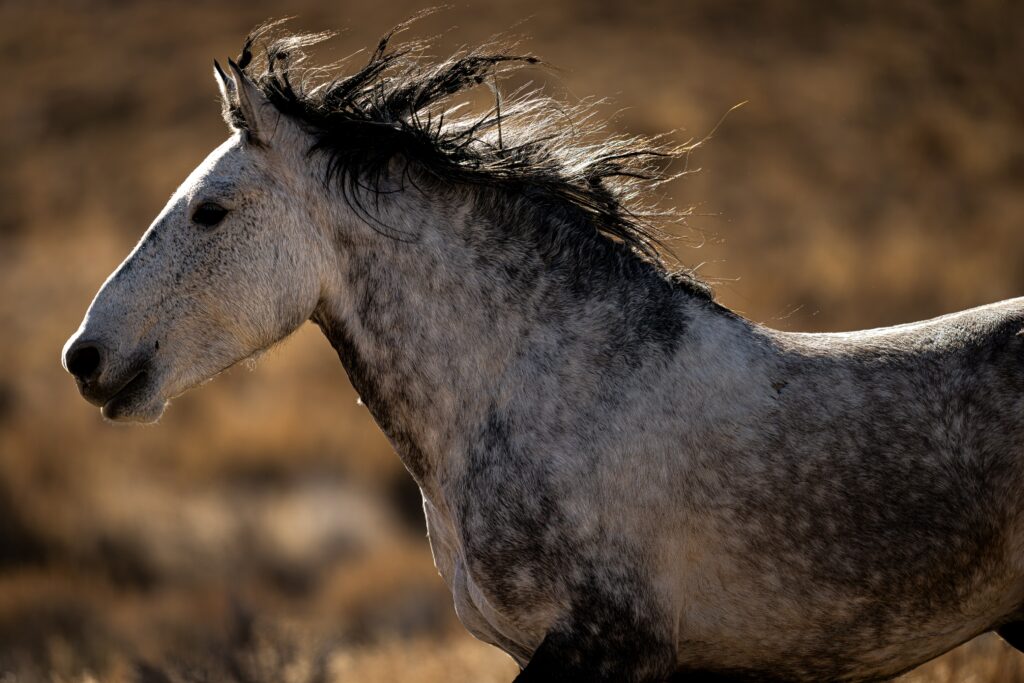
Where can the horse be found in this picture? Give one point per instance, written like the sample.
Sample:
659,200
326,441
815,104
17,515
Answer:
622,479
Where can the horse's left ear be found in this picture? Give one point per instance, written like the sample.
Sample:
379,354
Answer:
245,108
228,97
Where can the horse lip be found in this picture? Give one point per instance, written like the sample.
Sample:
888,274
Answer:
132,385
100,395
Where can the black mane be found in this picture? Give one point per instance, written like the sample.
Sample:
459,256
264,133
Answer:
394,107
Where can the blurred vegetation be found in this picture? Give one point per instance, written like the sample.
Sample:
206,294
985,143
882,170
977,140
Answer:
264,531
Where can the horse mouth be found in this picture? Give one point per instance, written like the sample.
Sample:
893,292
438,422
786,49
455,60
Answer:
137,401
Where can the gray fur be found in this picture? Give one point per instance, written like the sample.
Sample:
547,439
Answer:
623,480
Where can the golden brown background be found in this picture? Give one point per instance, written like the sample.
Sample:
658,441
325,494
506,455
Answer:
264,531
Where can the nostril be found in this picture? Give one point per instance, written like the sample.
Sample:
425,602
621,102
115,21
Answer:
84,362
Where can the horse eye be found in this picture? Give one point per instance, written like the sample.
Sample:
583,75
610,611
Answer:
209,214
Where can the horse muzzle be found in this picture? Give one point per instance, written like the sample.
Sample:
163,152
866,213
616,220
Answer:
123,389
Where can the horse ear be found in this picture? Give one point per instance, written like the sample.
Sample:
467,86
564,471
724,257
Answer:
245,108
228,97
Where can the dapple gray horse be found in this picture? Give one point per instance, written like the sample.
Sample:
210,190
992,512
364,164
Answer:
623,480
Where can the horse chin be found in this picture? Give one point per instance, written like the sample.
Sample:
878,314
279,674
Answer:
139,401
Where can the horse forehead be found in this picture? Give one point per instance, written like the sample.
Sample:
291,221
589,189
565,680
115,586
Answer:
225,163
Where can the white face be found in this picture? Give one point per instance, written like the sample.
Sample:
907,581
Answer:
231,265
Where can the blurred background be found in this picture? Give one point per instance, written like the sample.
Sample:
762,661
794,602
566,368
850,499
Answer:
264,530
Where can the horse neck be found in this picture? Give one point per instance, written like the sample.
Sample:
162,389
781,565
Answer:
494,295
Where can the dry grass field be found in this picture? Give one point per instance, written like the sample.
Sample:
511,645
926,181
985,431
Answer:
264,531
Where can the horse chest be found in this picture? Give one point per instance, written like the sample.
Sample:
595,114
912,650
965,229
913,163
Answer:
518,633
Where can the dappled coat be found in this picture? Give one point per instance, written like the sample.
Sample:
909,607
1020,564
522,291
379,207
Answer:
623,480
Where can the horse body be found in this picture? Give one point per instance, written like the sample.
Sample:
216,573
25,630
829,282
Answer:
623,480
869,498
817,506
820,506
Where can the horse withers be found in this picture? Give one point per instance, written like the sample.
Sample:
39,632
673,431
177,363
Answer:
623,480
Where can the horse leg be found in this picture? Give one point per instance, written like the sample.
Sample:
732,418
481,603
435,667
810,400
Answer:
585,655
1013,633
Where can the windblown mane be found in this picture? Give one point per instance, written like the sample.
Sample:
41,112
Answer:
400,105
